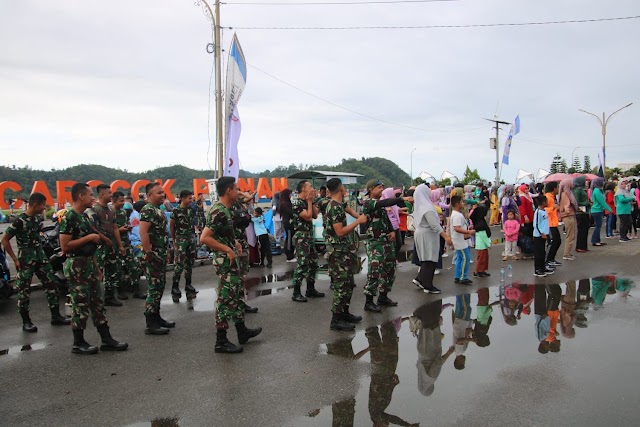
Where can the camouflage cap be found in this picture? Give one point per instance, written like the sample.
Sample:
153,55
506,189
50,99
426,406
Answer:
373,183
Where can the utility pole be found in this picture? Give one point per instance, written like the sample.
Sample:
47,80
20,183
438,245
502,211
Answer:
603,124
217,58
497,124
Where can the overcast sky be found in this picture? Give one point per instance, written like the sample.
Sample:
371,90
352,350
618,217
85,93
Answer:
124,83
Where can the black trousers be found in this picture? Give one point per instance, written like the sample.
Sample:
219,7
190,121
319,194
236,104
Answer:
539,253
553,244
288,243
625,225
427,271
583,230
265,249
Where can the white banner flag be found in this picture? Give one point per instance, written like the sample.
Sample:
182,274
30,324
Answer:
234,127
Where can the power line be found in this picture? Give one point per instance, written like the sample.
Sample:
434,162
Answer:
356,112
334,3
416,27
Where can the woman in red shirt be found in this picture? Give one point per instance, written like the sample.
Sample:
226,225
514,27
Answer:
525,207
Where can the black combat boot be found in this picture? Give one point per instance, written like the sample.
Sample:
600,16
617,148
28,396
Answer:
369,305
165,323
80,346
27,325
110,300
245,333
351,318
56,318
384,300
339,324
136,292
175,292
297,294
122,293
249,309
153,325
223,345
311,291
190,290
108,343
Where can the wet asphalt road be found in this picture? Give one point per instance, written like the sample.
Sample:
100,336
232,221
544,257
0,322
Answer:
285,377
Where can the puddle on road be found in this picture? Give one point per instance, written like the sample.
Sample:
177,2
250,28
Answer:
22,348
509,354
158,422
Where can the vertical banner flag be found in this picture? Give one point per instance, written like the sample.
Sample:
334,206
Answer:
236,80
515,129
600,168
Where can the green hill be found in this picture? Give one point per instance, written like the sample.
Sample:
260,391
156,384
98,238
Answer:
371,168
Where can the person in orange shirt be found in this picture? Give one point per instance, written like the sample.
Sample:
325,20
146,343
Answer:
551,191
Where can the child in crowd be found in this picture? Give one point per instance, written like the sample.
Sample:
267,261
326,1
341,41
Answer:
263,237
462,329
460,234
540,236
511,231
483,239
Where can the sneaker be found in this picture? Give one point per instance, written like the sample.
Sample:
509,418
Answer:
292,260
485,274
540,274
466,282
456,281
432,290
416,282
549,271
477,274
445,255
436,272
569,258
625,240
549,266
555,263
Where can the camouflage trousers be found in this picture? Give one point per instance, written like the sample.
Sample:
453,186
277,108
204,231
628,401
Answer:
185,253
156,273
307,258
341,261
229,305
110,265
30,264
86,295
382,266
131,263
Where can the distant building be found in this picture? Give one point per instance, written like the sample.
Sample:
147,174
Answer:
627,166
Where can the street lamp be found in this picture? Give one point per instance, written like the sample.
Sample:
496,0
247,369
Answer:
411,181
603,124
572,154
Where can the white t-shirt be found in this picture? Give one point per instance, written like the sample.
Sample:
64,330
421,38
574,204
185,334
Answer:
460,327
458,220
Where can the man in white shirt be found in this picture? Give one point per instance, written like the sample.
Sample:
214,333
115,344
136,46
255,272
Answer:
460,234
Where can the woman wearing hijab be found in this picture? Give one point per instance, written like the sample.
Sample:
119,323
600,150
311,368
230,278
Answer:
507,203
286,212
525,209
495,207
624,206
427,237
582,214
598,209
567,214
483,241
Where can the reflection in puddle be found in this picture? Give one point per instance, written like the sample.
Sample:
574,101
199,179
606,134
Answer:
19,349
481,348
158,422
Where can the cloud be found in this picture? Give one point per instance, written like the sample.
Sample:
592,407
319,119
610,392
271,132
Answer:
126,83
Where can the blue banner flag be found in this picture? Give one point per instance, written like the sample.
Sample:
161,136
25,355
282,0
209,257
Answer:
515,129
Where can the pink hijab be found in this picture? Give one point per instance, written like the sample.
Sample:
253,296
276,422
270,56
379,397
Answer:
394,211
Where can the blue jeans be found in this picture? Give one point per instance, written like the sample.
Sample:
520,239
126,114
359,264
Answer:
597,219
462,264
610,219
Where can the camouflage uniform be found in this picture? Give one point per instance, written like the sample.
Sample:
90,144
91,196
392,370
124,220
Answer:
185,247
306,254
229,305
340,256
156,268
33,260
82,273
380,251
200,216
129,260
103,219
322,203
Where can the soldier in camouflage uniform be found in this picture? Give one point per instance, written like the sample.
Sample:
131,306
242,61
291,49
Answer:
32,260
79,240
241,220
380,247
102,217
201,218
322,200
153,234
220,236
129,259
341,256
302,218
182,233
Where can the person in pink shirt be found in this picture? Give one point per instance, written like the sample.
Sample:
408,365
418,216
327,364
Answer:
511,228
394,216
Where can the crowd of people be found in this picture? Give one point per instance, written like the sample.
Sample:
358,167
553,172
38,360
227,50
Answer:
105,238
